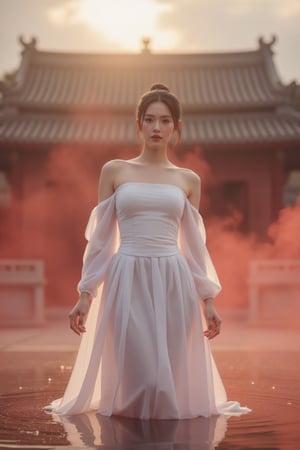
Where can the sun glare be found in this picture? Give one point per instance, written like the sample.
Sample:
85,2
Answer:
120,22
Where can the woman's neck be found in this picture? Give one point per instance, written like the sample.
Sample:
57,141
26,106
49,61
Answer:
158,157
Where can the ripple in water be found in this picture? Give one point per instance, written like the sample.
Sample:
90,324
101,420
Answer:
267,383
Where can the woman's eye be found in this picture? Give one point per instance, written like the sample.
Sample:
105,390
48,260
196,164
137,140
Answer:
166,121
148,120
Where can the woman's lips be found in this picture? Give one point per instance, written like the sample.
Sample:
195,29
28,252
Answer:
156,137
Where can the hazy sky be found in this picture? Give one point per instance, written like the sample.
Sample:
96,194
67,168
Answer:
173,25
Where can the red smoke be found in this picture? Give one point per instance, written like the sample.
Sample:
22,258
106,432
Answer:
233,251
60,193
285,234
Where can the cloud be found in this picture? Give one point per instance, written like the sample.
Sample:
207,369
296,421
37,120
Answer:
33,20
277,8
189,26
216,25
64,13
120,23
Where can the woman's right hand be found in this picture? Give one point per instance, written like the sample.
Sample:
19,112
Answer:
78,314
213,319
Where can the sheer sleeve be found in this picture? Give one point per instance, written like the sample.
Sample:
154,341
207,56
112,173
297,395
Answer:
192,242
102,236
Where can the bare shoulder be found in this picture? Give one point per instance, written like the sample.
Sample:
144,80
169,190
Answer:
113,165
193,185
191,178
108,176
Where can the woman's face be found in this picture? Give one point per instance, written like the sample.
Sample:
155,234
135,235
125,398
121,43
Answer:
157,125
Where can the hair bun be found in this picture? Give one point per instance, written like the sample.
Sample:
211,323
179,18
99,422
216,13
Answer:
159,87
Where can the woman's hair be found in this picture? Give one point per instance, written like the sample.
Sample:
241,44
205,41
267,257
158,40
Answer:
159,93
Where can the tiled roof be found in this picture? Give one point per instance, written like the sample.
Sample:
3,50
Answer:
118,88
204,82
119,129
89,99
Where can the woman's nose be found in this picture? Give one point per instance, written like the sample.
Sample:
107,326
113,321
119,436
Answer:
156,126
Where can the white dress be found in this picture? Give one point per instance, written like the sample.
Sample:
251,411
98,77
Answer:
144,354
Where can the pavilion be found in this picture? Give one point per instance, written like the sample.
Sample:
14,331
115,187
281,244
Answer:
66,114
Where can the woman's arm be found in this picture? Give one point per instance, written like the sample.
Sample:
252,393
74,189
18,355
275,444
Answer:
212,318
79,312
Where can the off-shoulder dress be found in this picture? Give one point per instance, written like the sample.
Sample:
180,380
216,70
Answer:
144,354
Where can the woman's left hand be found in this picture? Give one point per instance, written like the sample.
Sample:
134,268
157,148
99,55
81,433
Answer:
78,314
213,320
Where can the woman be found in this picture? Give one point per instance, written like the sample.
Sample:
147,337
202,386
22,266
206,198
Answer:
144,353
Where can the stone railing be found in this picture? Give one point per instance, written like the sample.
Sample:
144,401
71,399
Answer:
22,292
274,290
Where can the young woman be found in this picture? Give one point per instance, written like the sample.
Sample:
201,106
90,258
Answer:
146,279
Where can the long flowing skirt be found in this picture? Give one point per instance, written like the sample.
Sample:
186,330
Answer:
144,354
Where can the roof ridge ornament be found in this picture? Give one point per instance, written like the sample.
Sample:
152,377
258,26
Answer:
146,41
264,44
27,45
291,87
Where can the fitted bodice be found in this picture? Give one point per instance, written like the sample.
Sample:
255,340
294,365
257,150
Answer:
148,218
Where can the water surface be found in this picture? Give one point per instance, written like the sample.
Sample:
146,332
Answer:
266,382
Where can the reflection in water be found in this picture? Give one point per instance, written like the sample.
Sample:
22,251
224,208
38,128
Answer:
93,430
268,382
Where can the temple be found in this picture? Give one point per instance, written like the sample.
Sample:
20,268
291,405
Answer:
66,114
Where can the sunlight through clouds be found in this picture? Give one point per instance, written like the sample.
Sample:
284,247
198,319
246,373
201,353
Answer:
123,22
178,26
